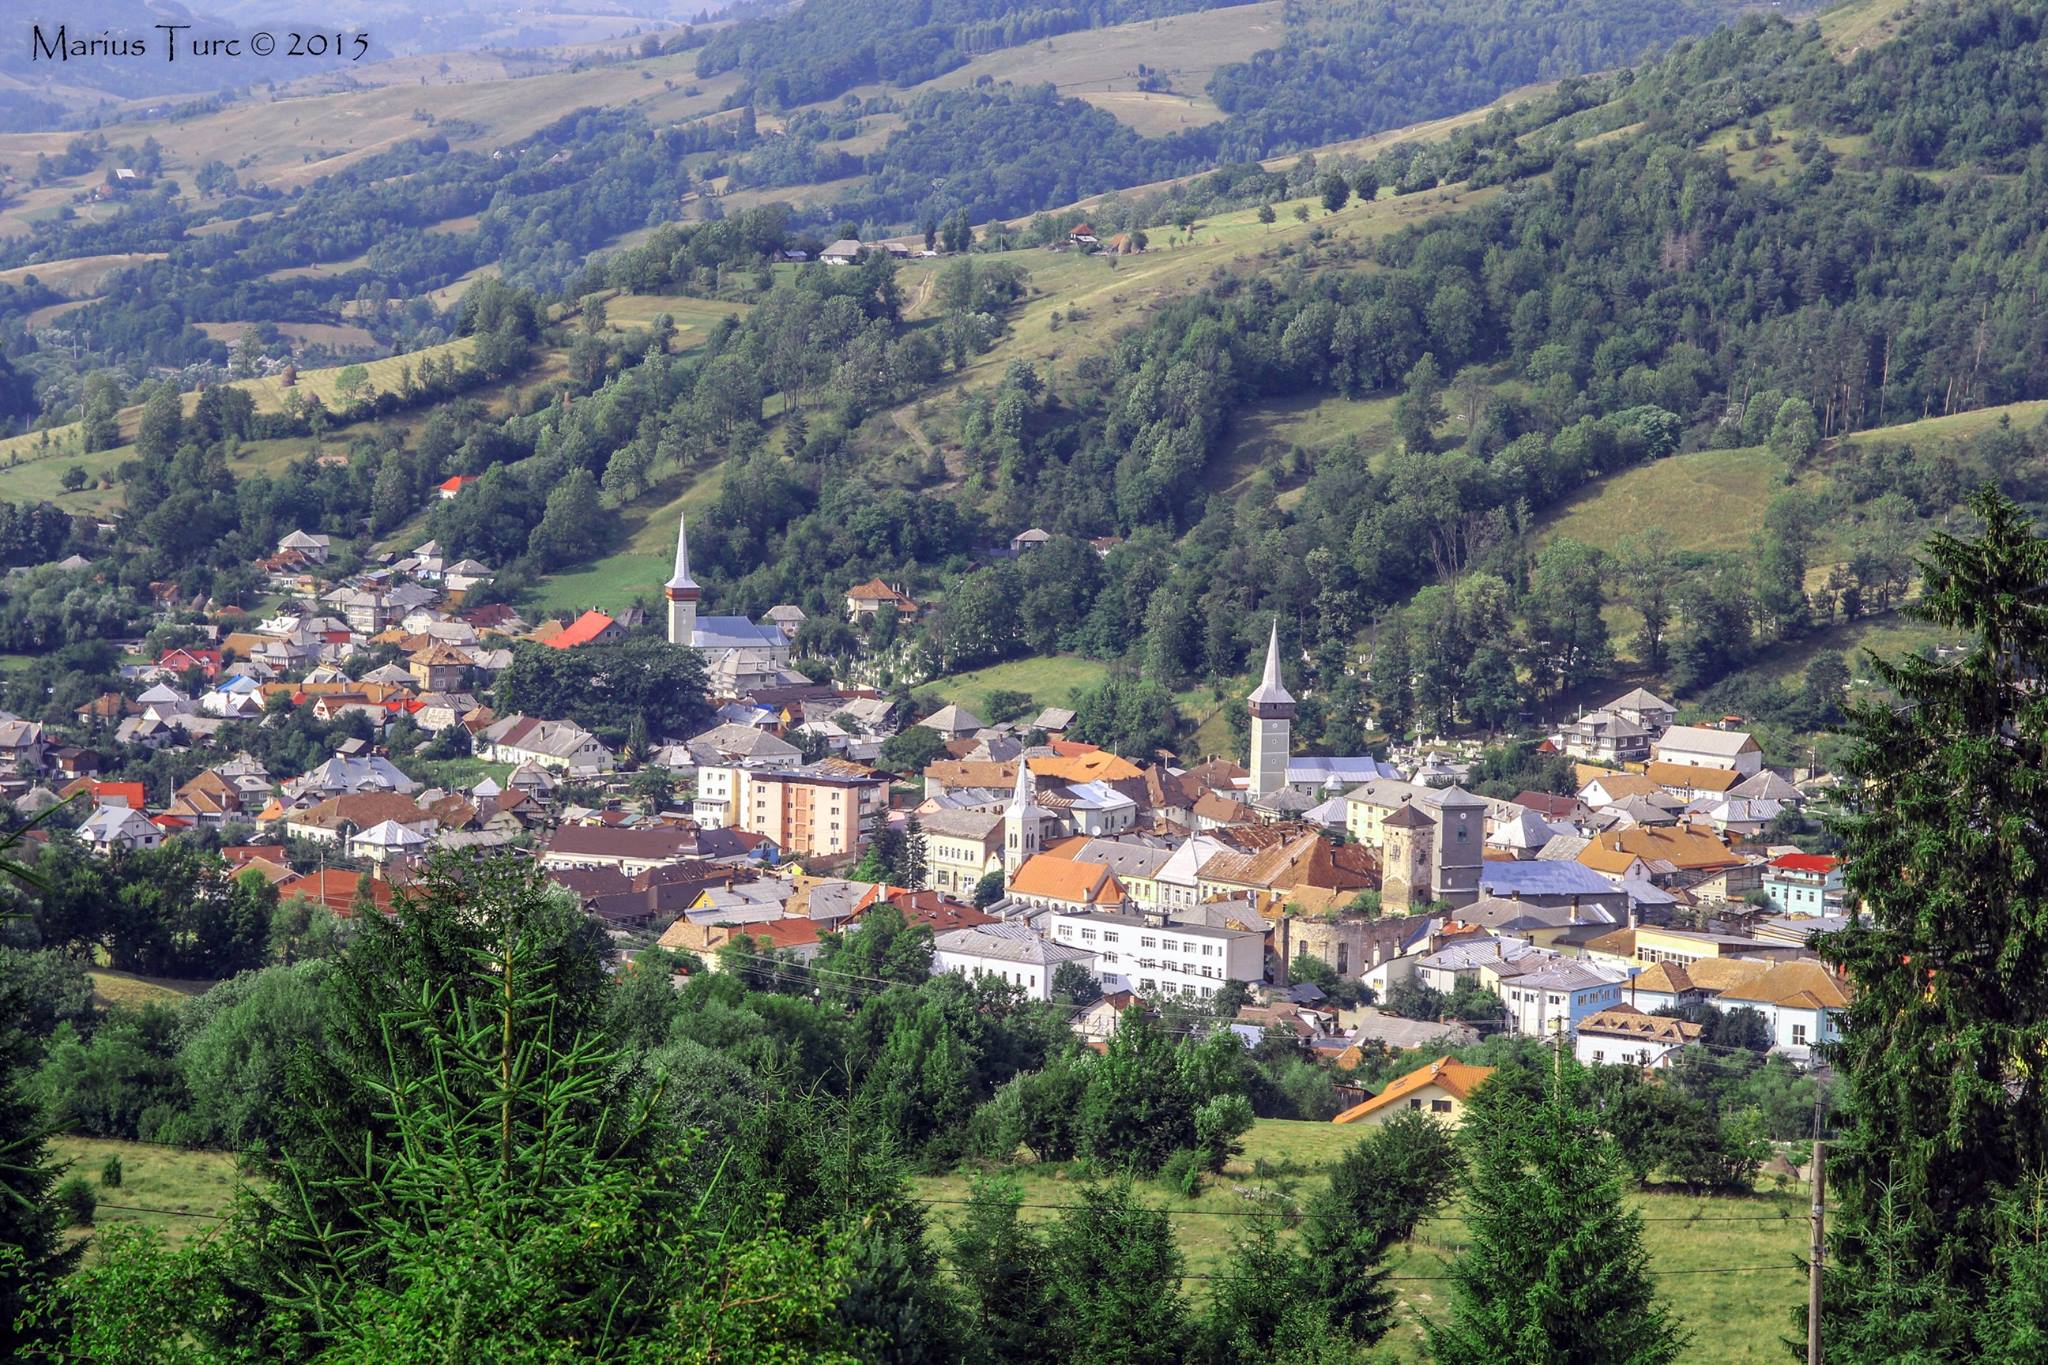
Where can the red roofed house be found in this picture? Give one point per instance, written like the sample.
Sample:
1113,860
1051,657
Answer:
1804,884
449,487
334,888
129,794
207,661
591,628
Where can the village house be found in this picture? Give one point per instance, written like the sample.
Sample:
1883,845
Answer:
1442,1089
628,851
1046,881
1645,708
1802,1002
1626,1036
440,668
1606,737
340,818
1804,884
1008,952
559,745
22,746
312,548
110,829
864,600
1735,750
960,848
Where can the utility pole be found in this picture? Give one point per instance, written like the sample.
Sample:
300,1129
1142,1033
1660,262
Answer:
1817,1252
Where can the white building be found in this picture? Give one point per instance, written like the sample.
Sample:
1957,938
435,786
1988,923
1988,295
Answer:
1134,953
561,745
117,827
1554,999
1732,750
1008,952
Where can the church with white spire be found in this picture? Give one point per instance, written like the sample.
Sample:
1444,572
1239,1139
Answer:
1280,784
739,655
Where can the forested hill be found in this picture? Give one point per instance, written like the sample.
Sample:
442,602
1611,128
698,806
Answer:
1751,244
1343,70
825,47
1350,67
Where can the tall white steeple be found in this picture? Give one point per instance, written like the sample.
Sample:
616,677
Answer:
1023,821
682,591
1272,711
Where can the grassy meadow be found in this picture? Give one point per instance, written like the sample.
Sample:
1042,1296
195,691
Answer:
1736,1318
169,1188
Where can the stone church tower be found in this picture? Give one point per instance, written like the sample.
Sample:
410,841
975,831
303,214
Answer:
1406,839
682,592
1272,712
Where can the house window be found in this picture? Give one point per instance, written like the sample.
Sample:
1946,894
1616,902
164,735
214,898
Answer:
1108,936
1439,1106
1799,1035
1148,942
1148,984
1415,1104
1087,936
1599,1055
1170,945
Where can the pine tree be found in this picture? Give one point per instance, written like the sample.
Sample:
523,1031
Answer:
1556,1271
1945,1041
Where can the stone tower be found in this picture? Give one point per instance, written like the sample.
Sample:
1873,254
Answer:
1272,723
1460,847
1023,822
1404,860
682,592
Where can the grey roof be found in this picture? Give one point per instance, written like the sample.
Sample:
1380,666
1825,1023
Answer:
1766,785
953,719
1542,878
1637,699
1321,772
1124,860
1008,943
1053,718
735,632
735,741
1564,976
1410,1034
961,824
1700,740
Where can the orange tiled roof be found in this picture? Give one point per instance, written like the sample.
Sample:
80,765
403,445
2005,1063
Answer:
581,631
1066,879
1458,1078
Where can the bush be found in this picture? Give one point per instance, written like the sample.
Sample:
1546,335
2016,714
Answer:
1182,1172
79,1201
110,1173
1220,1126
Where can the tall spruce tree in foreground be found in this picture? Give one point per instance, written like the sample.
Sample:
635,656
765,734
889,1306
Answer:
1556,1272
1944,1132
